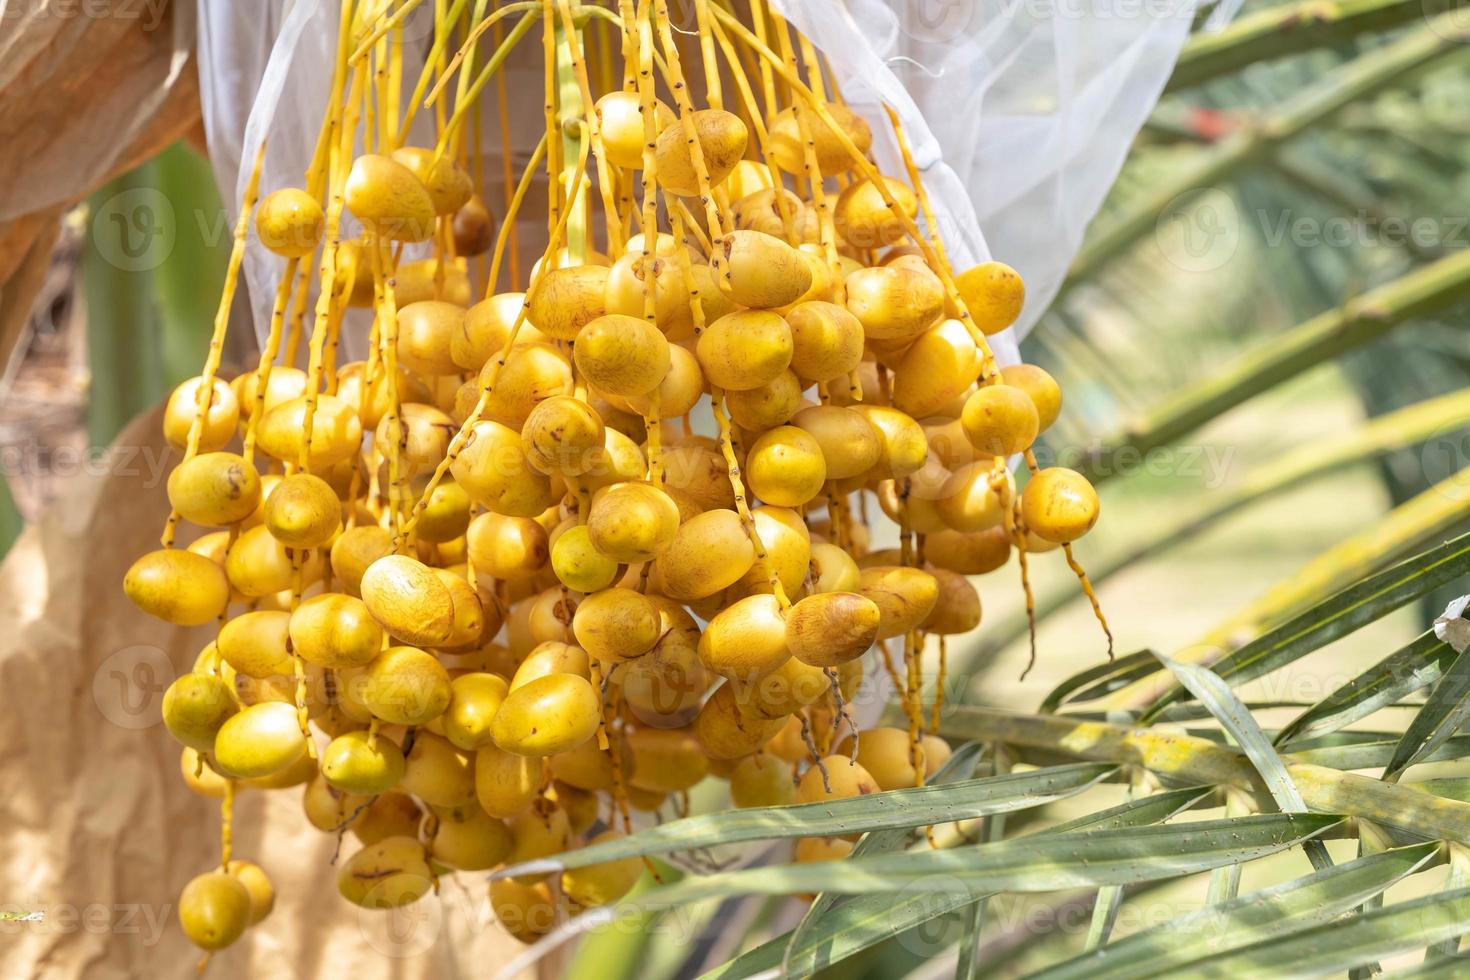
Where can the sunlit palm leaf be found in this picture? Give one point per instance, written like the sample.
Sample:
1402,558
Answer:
962,762
895,809
1343,613
866,920
1199,760
1246,920
1222,703
1403,672
1080,859
1336,946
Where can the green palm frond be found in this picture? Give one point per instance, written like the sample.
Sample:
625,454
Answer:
1329,947
1148,839
1248,921
895,810
1411,668
1284,30
866,920
1335,617
1078,859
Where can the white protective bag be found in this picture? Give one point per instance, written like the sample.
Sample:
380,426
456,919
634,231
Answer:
1020,112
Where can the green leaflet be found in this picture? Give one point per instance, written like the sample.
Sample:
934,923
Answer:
1216,695
1246,920
1080,859
1445,710
1333,947
1098,680
1376,755
895,809
962,762
867,920
1403,672
1356,606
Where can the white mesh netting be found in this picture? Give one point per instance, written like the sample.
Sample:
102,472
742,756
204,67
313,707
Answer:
1020,111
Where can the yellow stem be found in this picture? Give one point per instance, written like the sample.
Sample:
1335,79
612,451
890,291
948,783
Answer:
204,397
594,127
925,207
507,226
742,505
461,438
268,354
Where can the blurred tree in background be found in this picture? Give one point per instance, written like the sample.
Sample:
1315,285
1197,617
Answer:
154,245
155,262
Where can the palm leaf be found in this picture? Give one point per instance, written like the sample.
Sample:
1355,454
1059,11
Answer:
887,841
1284,30
866,920
1100,679
1333,947
1080,859
1246,920
1222,703
892,810
1343,613
1377,754
1401,673
1199,760
1446,709
1366,75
